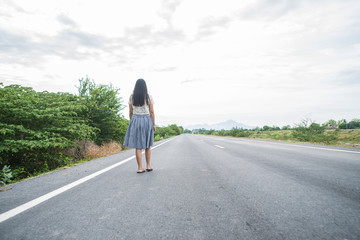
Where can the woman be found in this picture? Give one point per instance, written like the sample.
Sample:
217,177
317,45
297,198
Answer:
140,133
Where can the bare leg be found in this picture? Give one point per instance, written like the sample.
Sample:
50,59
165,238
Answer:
139,159
147,156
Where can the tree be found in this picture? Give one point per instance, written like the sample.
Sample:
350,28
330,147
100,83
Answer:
173,129
187,131
287,127
103,110
355,123
342,124
331,124
266,128
181,129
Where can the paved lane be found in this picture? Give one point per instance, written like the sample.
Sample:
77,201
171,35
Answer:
202,188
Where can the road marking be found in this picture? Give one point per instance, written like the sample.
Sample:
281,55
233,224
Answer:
291,145
219,146
15,211
328,149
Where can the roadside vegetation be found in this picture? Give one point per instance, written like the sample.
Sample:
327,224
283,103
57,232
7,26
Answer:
43,131
337,133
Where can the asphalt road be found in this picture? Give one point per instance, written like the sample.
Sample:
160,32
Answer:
201,188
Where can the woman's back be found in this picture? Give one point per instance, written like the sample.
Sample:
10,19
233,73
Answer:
141,110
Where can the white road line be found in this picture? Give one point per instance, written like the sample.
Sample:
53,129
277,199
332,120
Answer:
292,145
327,149
15,211
219,146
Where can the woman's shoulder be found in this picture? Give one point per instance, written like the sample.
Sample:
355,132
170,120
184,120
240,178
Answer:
151,99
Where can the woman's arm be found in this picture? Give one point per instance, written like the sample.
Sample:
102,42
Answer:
130,111
152,114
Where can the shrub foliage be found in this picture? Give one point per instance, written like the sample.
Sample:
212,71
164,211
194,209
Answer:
36,125
309,131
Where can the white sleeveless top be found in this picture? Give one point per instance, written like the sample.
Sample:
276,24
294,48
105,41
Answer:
141,110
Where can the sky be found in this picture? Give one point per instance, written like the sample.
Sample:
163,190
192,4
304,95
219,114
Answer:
258,62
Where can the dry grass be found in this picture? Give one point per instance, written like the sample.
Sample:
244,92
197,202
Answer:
94,151
90,150
349,138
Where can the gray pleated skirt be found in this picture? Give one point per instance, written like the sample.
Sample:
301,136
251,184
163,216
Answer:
140,133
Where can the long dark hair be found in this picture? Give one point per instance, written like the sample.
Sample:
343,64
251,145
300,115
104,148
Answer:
140,94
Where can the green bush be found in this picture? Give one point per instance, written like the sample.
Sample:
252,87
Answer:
35,126
210,132
243,134
6,175
237,132
314,132
158,138
221,132
166,132
20,173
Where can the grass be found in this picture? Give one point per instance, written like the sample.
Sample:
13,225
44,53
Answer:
95,151
349,138
346,137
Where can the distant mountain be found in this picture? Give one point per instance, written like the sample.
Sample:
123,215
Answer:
227,125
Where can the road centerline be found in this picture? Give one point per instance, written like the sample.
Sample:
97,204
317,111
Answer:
219,146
